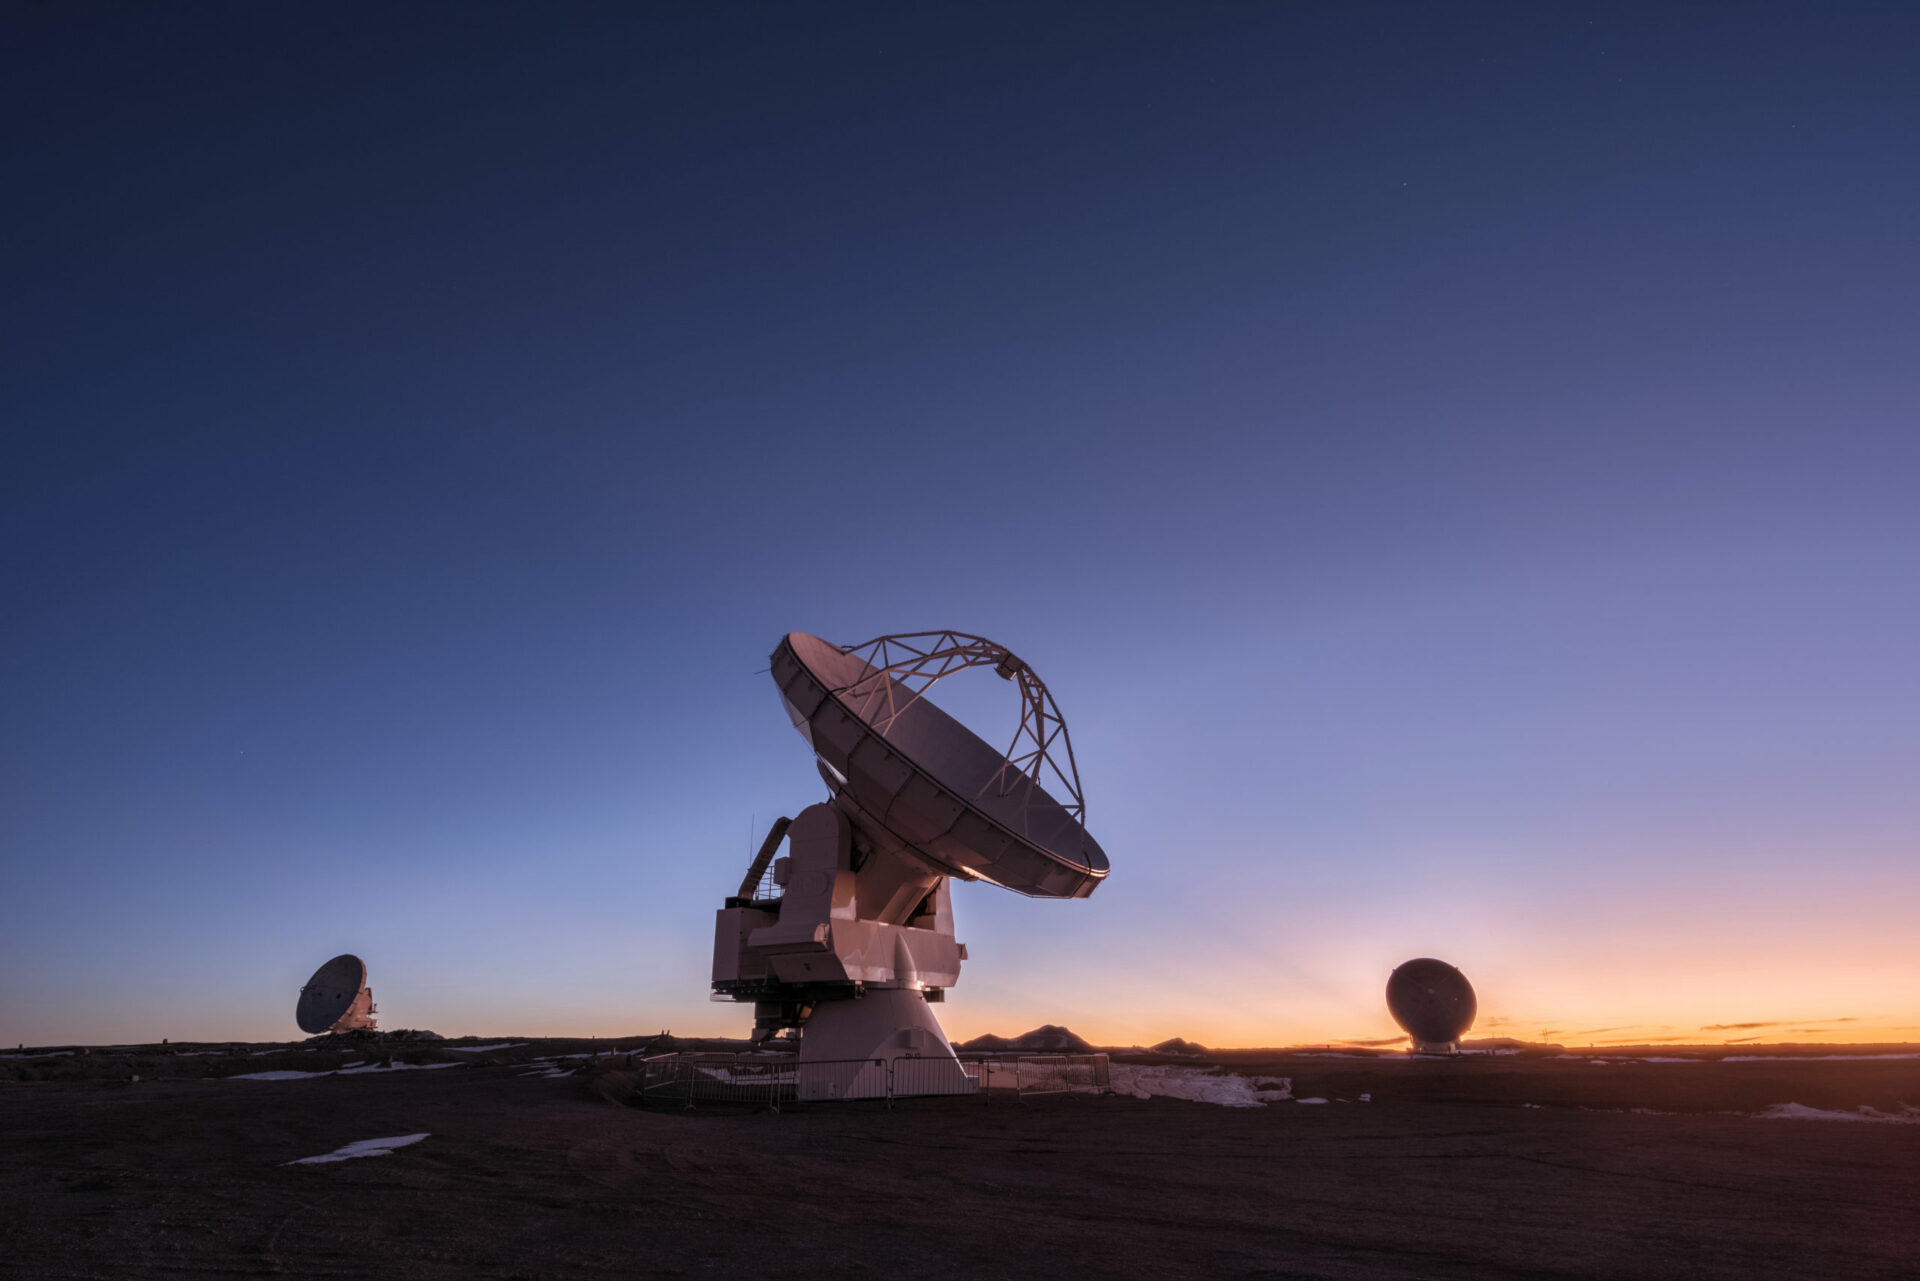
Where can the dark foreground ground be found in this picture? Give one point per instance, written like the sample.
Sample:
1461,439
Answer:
1444,1174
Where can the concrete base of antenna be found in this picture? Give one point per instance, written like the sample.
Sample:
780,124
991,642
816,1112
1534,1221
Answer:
1435,1049
856,1046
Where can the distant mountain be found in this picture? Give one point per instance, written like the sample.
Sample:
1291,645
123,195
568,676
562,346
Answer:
1180,1046
1042,1040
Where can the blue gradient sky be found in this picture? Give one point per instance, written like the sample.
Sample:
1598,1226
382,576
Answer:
1456,467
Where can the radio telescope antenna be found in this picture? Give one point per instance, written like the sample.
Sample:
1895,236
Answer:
860,905
1433,1003
337,998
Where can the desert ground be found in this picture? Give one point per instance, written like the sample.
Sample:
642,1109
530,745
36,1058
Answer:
534,1165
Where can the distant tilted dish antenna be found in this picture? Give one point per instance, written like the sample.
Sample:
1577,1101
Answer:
337,998
1433,1003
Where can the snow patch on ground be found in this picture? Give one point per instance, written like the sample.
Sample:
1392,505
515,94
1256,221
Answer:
484,1049
395,1067
1309,1100
50,1054
1801,1112
289,1075
365,1147
1198,1085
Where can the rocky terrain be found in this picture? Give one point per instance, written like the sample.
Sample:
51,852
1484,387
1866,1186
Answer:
516,1157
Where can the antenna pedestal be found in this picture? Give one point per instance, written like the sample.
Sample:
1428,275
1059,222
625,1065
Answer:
849,957
845,1040
834,930
359,1015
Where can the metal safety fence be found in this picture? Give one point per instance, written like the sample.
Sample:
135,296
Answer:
925,1077
774,1081
692,1080
1024,1075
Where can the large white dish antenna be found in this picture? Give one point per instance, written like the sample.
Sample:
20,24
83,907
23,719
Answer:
919,782
849,937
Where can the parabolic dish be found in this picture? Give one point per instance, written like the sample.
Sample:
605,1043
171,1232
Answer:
1431,1001
914,777
330,993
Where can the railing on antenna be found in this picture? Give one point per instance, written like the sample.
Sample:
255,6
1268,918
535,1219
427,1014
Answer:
758,882
916,660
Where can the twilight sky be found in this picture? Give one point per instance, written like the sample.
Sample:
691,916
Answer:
1455,465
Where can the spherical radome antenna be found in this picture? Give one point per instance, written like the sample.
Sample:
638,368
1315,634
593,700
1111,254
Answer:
1433,1003
336,998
